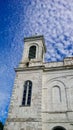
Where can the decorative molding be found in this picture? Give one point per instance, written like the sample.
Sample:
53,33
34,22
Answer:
56,112
33,38
23,120
44,68
29,68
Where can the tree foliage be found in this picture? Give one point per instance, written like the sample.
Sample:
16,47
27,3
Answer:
1,126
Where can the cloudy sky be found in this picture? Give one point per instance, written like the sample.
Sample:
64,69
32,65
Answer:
24,18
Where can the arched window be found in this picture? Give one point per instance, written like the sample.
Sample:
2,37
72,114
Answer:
56,94
58,128
27,93
32,52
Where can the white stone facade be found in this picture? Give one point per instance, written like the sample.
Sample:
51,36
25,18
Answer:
52,92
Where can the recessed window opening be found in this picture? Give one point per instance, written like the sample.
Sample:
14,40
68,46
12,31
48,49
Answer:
27,93
58,128
56,91
32,52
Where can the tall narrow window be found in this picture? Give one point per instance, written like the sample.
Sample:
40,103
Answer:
56,95
32,52
27,93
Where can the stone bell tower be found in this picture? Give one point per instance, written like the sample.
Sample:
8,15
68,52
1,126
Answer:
25,106
42,97
34,51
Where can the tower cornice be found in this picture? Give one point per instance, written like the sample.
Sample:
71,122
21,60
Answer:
33,38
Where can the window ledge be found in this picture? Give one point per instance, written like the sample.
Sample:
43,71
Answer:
24,106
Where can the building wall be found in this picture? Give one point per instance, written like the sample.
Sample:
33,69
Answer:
51,104
57,99
28,115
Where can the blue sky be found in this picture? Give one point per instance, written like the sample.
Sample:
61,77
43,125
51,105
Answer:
24,18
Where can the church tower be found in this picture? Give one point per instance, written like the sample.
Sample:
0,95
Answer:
34,50
25,107
42,97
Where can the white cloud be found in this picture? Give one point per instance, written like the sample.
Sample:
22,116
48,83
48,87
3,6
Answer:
4,101
53,19
3,98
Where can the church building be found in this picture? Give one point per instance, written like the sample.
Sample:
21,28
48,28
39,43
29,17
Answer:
42,97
